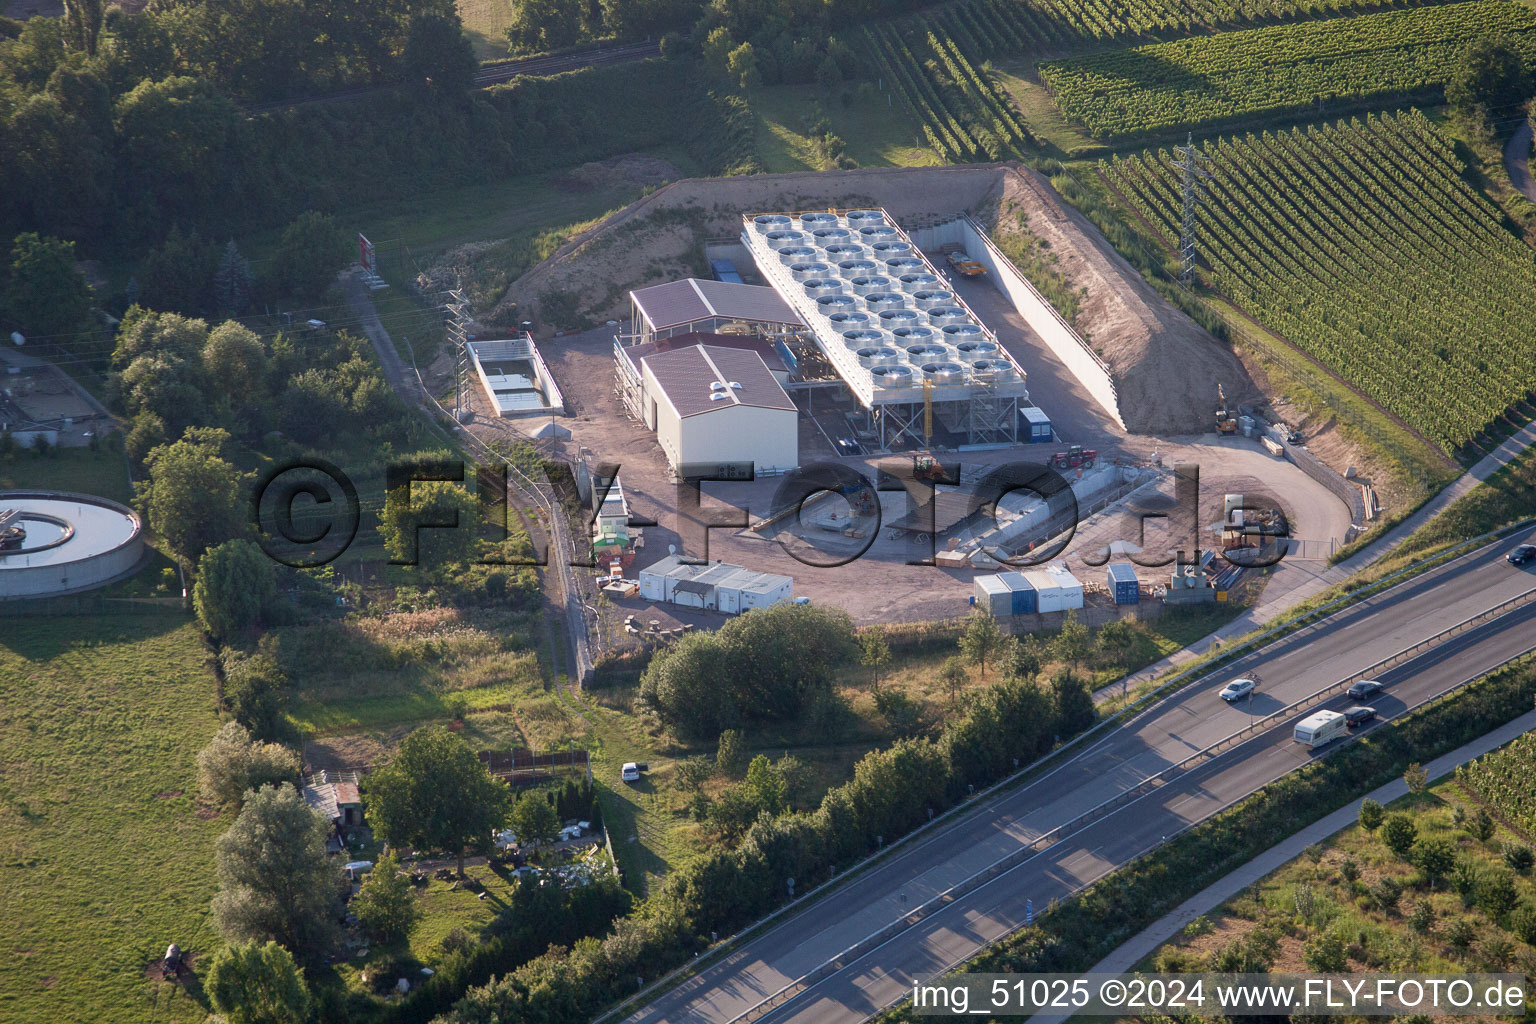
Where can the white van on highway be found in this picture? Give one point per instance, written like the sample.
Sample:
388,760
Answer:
1319,728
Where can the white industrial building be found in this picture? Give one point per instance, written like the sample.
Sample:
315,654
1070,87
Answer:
714,407
921,365
717,586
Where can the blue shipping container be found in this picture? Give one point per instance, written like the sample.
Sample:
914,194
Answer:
1123,584
725,270
1024,598
1034,426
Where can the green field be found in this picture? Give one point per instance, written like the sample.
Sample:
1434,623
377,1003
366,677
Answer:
1278,70
878,133
105,856
486,23
103,473
1361,243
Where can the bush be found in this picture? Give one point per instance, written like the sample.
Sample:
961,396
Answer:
1398,832
1481,825
385,905
1325,954
1519,857
1371,814
232,763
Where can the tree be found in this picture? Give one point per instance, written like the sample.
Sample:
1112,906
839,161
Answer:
1460,935
421,512
539,25
1071,644
276,881
233,281
1518,856
691,774
257,983
234,583
1422,918
903,714
1489,75
1398,832
1114,641
435,794
256,690
953,675
766,786
438,53
1325,954
1026,659
311,251
717,50
1482,826
731,754
533,820
982,639
1074,704
232,764
742,65
385,904
1434,858
144,332
82,19
1416,778
1370,814
45,293
874,652
192,496
179,274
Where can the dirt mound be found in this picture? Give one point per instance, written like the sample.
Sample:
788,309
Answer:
1165,366
633,169
660,237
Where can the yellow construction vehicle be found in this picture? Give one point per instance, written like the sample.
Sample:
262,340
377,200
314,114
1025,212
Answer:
1226,419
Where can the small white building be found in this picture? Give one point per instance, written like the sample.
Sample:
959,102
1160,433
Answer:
712,407
718,586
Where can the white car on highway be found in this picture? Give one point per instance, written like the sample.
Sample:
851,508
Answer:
1237,689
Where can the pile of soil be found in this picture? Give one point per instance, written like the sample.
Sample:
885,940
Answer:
1165,366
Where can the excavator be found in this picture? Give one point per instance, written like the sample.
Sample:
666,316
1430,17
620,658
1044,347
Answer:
1226,419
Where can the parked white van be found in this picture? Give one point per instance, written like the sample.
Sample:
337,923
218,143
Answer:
1319,728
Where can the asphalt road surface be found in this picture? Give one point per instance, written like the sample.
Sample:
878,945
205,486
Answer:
1187,722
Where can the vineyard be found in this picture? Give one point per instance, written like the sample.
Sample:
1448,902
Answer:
1212,80
1362,244
1507,779
1034,26
963,115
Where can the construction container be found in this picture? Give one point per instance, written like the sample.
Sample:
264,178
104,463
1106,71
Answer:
1056,589
1123,584
993,595
1034,425
1023,599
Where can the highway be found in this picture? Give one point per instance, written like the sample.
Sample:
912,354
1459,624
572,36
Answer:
1187,722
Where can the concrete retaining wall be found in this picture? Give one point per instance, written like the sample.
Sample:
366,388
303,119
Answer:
1065,343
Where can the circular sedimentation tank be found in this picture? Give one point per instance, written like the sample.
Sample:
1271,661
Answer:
56,542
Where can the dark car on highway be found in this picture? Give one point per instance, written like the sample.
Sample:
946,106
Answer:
1358,716
1364,688
1521,555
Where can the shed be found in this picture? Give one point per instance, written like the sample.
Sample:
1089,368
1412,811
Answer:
1034,425
713,408
1056,589
1123,583
993,595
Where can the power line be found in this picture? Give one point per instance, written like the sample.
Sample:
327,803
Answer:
1188,157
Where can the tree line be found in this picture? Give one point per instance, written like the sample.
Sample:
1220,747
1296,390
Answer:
152,125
